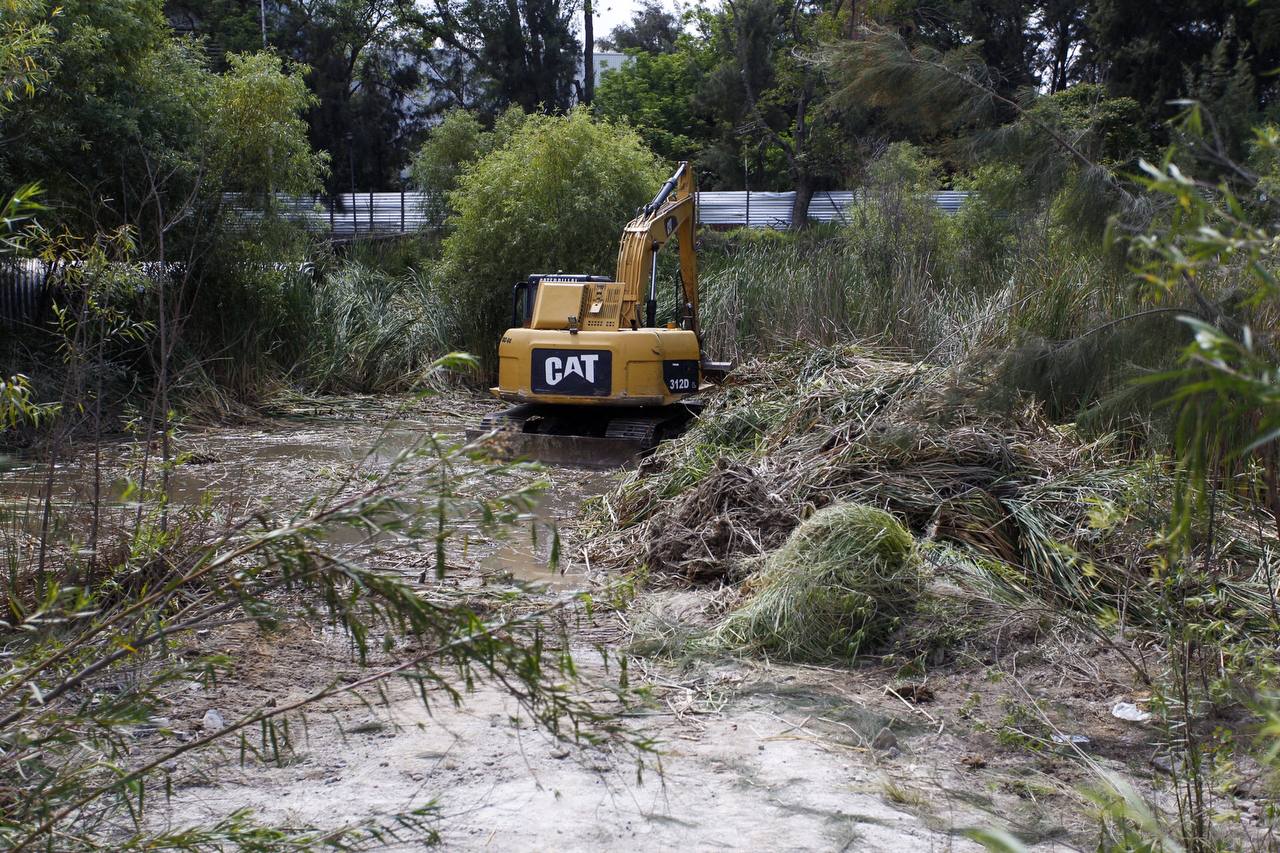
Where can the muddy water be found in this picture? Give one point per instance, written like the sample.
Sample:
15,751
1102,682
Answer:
223,461
528,558
285,460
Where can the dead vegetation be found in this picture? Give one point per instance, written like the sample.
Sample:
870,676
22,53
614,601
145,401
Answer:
1048,595
1004,502
730,512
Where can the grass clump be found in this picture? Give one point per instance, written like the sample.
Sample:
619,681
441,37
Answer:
838,585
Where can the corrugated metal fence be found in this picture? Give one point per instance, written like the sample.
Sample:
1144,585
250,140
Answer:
22,282
773,210
361,215
349,215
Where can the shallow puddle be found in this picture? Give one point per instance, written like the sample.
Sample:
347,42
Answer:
287,461
535,556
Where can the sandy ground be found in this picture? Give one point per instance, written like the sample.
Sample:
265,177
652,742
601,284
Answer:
743,779
751,755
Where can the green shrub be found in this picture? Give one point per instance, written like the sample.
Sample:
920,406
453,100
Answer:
555,197
454,146
838,586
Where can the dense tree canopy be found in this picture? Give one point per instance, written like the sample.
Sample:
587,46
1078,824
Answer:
1146,51
364,64
526,53
25,33
652,29
656,93
801,93
775,94
134,127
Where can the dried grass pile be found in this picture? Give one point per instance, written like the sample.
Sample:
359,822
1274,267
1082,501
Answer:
1039,512
839,585
731,511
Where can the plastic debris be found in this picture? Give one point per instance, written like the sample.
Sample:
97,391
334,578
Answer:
212,721
1130,712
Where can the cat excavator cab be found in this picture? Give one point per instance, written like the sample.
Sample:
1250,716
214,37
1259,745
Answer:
594,379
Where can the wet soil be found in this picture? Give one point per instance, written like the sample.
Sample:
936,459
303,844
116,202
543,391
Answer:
752,754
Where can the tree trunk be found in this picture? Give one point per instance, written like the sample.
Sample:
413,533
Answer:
1061,57
800,208
588,54
799,170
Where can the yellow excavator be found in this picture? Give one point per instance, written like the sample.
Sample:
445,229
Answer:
594,378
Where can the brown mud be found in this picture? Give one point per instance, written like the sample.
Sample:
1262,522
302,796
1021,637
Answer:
752,754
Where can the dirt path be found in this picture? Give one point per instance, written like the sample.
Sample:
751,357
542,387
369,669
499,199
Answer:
752,756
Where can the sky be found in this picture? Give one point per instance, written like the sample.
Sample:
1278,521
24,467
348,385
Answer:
611,13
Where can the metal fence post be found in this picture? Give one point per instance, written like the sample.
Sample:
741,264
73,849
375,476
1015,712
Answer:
402,210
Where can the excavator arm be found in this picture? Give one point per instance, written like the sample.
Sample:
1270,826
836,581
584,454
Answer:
672,213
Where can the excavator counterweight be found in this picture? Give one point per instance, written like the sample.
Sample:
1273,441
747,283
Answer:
594,378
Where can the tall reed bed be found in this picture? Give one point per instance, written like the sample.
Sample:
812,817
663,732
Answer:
917,286
367,329
366,320
1018,298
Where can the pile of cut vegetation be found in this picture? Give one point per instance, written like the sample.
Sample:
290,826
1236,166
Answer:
1025,508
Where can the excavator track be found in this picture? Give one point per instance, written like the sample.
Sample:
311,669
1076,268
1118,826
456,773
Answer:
604,438
641,430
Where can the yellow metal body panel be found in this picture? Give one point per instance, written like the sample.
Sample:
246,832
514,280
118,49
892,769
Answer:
637,369
559,305
604,306
643,236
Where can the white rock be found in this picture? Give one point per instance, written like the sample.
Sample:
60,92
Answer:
212,721
1131,712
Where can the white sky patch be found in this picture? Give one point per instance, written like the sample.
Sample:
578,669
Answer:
612,13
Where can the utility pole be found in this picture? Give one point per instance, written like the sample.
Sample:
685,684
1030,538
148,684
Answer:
588,54
262,5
